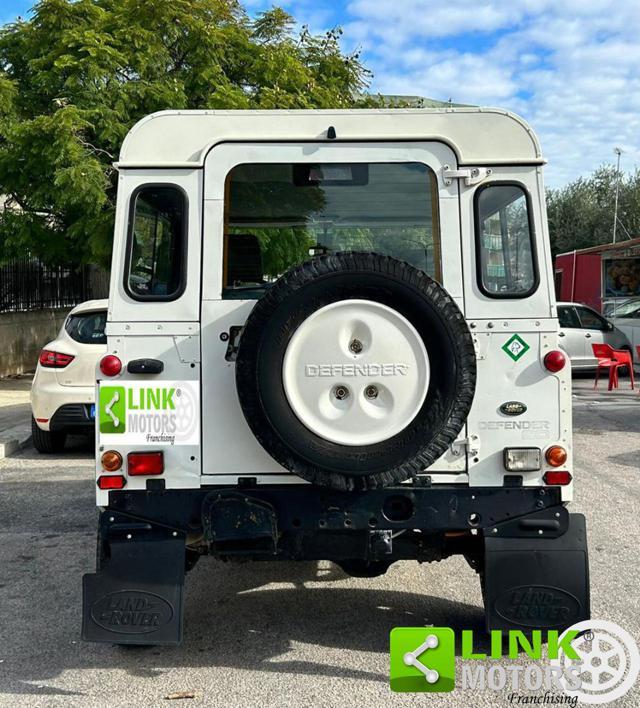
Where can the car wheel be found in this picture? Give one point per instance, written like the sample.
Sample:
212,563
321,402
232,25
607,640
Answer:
356,371
45,441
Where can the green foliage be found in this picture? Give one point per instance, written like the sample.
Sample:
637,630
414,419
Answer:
581,214
76,76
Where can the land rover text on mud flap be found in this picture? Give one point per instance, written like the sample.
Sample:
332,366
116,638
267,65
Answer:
333,335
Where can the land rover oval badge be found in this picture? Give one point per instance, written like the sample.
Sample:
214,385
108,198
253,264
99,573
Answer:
513,408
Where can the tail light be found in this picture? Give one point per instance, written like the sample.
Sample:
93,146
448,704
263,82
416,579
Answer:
54,360
555,361
559,477
145,463
110,365
111,461
111,481
556,456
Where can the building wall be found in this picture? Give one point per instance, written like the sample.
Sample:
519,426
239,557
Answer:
586,286
22,336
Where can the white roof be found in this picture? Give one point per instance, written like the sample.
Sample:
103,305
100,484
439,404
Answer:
479,136
90,306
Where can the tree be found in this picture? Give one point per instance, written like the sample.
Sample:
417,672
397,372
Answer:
76,76
581,214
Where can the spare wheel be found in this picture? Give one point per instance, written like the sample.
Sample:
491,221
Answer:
356,370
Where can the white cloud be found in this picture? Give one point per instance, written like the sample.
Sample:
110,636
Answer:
571,68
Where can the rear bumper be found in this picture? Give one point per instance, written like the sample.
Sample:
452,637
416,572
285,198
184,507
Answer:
48,397
73,418
309,509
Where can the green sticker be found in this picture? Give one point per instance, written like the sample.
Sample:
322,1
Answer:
516,347
423,659
112,409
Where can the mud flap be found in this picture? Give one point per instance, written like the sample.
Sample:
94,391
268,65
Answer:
137,595
537,582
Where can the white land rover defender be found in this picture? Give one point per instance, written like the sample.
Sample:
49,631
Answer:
333,335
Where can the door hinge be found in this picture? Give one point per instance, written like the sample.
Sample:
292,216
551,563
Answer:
470,445
471,175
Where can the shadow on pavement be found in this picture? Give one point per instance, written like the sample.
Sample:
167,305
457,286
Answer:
77,447
627,459
246,616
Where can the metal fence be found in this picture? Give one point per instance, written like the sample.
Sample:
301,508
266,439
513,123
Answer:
27,284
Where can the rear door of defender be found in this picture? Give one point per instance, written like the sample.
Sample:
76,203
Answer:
268,207
153,327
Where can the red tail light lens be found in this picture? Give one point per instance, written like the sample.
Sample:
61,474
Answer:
145,463
555,361
112,481
54,360
559,477
110,365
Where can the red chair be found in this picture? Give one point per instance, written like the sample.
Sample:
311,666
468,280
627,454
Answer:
606,356
625,357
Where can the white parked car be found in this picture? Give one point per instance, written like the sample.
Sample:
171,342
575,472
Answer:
580,327
63,389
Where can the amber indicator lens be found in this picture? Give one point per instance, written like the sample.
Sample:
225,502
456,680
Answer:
111,461
556,456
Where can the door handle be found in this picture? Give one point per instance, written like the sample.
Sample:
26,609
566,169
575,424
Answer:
587,335
561,334
145,366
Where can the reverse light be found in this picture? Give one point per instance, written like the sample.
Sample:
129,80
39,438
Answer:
559,477
555,361
54,360
522,459
111,461
110,365
111,481
145,463
556,456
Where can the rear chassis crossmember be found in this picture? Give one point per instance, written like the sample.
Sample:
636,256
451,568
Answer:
531,554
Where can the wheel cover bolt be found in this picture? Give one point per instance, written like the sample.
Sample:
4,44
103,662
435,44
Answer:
341,392
371,392
355,346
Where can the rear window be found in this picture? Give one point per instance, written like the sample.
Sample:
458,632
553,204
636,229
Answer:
157,242
88,327
506,260
280,215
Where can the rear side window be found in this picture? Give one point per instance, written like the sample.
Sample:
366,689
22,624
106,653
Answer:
88,327
568,318
157,243
504,234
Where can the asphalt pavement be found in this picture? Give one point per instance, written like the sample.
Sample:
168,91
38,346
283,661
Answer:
275,634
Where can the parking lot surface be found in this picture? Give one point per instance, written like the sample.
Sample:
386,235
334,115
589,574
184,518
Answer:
275,634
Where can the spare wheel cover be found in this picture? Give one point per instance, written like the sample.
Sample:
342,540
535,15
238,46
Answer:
356,372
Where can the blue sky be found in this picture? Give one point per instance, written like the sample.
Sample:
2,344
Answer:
570,67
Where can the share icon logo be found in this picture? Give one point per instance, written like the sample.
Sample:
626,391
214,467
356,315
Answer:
422,659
